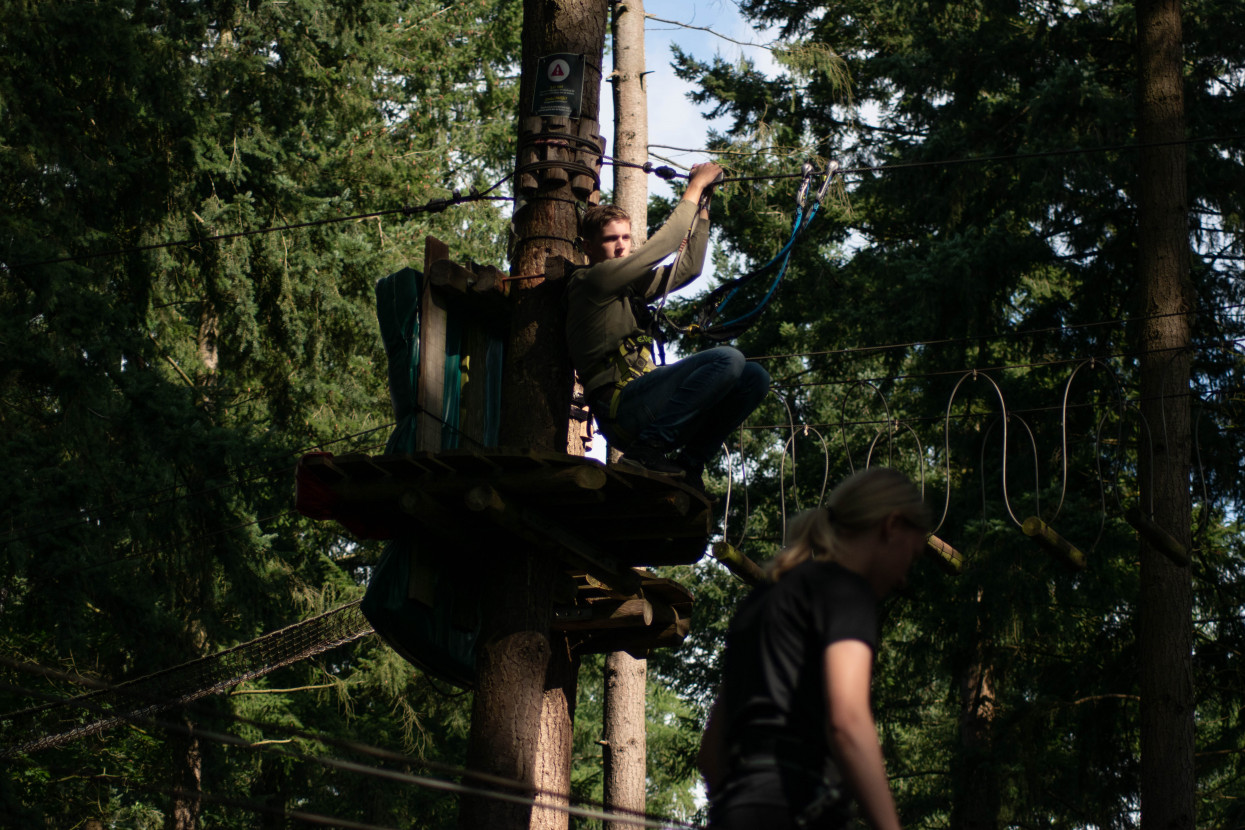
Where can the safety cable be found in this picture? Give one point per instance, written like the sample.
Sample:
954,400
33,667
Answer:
97,513
523,793
1000,335
432,206
713,305
669,173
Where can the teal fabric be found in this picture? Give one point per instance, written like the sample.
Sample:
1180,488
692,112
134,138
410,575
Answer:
493,366
397,311
427,637
438,639
451,398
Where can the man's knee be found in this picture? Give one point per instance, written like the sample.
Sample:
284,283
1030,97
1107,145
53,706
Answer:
731,360
754,380
756,375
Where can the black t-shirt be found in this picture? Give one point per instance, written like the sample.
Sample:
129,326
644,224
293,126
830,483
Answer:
774,689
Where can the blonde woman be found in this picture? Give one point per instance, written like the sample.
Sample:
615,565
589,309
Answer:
791,735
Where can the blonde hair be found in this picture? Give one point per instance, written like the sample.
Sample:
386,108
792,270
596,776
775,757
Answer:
861,502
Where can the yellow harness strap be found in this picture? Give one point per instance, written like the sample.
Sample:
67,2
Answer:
634,358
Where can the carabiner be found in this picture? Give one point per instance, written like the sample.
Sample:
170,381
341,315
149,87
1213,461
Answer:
807,182
832,169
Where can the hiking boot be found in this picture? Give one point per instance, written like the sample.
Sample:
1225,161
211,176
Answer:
651,458
694,475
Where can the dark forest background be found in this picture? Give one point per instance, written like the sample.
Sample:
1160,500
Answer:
154,397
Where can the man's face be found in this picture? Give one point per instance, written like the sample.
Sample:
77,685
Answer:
613,242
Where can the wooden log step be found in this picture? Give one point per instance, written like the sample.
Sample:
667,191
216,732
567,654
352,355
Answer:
604,614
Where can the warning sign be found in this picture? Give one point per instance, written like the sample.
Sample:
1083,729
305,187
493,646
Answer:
559,85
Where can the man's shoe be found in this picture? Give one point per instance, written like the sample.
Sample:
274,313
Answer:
694,476
651,458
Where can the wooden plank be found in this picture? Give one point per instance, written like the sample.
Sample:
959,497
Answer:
543,533
449,274
607,614
430,389
475,384
635,642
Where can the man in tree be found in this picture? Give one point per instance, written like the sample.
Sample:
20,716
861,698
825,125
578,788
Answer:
653,412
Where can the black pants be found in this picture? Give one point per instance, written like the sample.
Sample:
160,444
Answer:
767,817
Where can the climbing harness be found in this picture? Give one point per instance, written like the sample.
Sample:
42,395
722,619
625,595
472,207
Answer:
635,355
633,359
715,304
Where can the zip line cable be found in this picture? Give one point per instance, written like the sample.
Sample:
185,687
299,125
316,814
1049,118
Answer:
85,514
145,706
1000,157
996,368
118,509
778,384
73,518
438,205
163,547
433,206
925,419
998,336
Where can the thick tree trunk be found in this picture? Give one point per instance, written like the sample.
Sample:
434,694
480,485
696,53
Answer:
630,116
977,796
624,739
520,695
557,721
1165,632
184,813
624,736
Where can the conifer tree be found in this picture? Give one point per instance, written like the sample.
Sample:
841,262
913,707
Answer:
185,307
989,225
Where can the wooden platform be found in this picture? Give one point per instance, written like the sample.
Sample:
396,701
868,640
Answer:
601,620
602,520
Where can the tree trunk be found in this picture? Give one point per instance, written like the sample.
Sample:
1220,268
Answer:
511,708
624,739
977,797
624,735
184,813
1165,632
557,721
630,116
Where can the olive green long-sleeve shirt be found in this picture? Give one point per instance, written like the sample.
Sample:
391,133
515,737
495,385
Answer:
599,315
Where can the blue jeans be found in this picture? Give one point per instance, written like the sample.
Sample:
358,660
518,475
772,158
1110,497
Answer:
694,403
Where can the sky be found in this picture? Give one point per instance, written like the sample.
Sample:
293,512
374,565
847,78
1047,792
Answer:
669,122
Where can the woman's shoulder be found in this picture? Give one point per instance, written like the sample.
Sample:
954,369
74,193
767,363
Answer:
822,570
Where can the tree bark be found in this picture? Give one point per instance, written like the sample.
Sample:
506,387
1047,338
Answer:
1165,630
630,116
624,737
976,804
557,721
184,814
521,694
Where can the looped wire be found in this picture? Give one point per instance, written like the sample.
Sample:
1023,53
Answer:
843,417
1092,363
782,475
974,374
